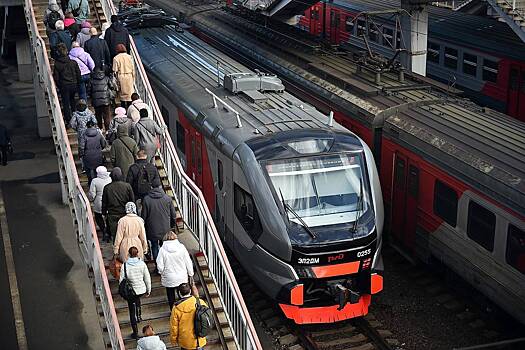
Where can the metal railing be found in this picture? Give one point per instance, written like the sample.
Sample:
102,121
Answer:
518,6
79,203
196,215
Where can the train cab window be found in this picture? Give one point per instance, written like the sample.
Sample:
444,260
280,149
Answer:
470,64
446,203
433,52
515,255
481,225
361,27
451,58
181,135
490,70
349,25
220,174
244,208
388,35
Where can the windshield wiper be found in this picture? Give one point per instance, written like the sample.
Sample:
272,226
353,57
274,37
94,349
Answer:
359,206
287,207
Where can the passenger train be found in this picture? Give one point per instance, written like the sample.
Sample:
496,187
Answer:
489,68
295,196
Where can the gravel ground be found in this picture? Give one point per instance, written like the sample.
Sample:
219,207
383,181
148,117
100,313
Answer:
418,318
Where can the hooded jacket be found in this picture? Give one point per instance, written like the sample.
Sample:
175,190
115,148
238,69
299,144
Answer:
133,175
152,342
182,329
66,72
114,35
134,110
123,150
79,122
130,233
158,213
83,36
174,264
138,274
98,49
83,59
83,11
94,143
100,89
146,131
116,195
118,120
97,188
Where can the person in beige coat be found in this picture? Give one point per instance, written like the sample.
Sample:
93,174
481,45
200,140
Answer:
130,233
124,70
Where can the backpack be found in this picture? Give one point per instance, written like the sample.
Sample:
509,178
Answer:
125,289
203,321
143,181
52,18
76,11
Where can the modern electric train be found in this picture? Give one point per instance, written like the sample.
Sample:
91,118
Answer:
295,196
489,68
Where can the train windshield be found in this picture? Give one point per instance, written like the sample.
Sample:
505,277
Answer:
321,190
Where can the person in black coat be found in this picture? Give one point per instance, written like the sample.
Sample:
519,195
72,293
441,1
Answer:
114,198
116,34
67,77
92,155
4,143
145,168
59,36
101,95
99,51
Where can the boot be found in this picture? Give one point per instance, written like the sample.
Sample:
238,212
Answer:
135,333
139,314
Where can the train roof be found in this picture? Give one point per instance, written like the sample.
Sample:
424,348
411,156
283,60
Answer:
184,66
457,27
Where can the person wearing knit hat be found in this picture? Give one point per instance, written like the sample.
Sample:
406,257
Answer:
99,51
96,189
71,25
130,233
52,15
84,34
120,118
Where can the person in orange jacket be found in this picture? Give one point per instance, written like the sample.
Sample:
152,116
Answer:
182,329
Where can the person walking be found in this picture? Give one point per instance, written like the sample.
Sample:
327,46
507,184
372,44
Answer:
79,9
174,265
67,77
116,34
84,34
150,341
71,25
146,131
159,215
58,36
130,233
120,118
53,14
124,70
98,50
105,26
102,91
136,272
86,65
5,140
96,189
92,156
114,198
182,327
136,105
79,121
123,150
142,175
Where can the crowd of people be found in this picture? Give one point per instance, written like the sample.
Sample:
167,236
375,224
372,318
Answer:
131,208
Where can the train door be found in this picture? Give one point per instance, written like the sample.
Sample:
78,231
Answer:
195,159
516,96
314,20
224,196
405,192
335,18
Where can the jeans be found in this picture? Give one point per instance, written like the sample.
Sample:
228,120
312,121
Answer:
172,296
101,223
68,100
91,174
155,246
134,311
3,154
82,94
103,115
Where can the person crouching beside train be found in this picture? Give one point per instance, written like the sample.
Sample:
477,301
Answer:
182,327
174,265
136,272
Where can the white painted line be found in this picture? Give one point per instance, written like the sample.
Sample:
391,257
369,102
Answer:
13,285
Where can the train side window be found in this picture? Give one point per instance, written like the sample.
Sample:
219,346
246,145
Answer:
413,181
451,58
198,152
244,208
220,174
481,225
446,203
399,173
514,79
470,64
373,34
388,34
490,70
181,135
349,25
433,52
515,254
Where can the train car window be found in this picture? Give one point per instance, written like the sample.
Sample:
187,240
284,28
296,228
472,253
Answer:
433,52
373,34
446,203
470,64
198,153
181,135
481,225
349,25
515,254
335,18
165,116
388,34
451,58
399,173
361,27
413,181
244,208
220,174
490,70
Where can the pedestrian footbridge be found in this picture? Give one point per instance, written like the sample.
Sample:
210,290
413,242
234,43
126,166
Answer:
215,278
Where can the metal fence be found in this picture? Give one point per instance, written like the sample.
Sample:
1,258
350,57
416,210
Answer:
196,216
73,192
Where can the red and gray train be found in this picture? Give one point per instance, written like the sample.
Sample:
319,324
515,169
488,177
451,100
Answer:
489,68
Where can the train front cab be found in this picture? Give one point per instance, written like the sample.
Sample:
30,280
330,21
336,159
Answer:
437,218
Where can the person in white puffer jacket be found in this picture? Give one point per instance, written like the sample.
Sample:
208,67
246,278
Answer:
150,341
174,265
95,195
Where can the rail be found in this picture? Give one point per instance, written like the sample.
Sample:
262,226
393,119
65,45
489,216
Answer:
518,6
196,216
79,203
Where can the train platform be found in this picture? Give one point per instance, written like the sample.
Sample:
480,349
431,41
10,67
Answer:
52,297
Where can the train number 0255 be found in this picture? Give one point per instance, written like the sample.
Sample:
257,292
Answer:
364,253
308,260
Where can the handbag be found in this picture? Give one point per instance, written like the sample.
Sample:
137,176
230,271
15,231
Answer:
114,268
157,139
125,289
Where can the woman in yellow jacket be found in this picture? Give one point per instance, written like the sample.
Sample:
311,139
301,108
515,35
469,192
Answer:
182,329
